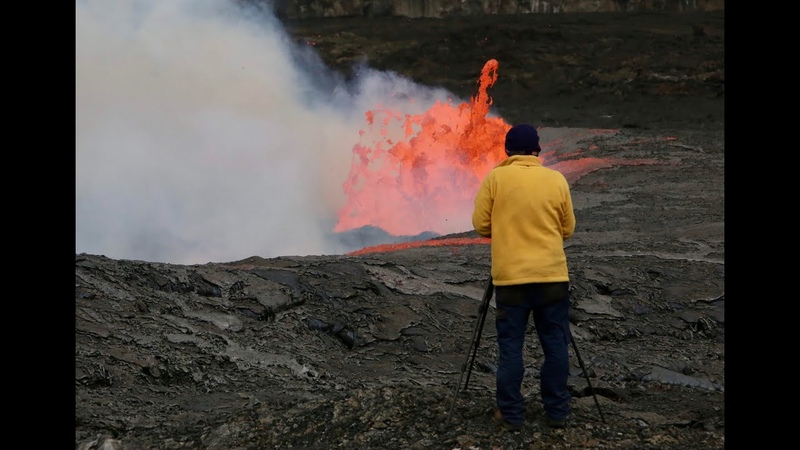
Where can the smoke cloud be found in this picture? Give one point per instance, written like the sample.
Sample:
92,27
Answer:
204,134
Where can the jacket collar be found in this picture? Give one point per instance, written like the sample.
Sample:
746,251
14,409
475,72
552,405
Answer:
520,160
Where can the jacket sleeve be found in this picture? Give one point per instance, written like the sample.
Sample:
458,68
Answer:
482,214
568,223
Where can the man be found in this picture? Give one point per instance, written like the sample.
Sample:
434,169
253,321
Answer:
526,209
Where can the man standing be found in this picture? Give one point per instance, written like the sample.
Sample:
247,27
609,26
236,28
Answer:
526,209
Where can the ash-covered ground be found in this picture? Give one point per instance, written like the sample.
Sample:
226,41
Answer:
335,352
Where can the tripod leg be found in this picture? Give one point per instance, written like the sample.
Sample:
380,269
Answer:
476,343
588,381
477,329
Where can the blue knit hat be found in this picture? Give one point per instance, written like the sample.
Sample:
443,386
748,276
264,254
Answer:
522,138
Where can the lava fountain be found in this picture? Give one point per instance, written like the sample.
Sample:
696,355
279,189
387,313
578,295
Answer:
416,173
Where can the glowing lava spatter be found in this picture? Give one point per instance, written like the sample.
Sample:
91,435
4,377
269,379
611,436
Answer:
422,172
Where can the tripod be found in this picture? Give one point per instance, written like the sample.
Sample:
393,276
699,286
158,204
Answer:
477,330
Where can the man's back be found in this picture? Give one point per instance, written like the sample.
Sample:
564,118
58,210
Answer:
526,209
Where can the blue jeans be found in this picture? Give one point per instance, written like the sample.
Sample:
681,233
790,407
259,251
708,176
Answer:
549,303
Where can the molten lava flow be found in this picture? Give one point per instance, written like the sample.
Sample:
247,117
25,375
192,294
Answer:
422,172
448,242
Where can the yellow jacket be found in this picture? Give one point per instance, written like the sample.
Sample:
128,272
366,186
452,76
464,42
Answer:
526,209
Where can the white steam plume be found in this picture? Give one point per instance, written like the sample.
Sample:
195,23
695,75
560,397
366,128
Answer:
205,135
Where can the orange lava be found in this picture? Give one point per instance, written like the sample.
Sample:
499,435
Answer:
429,243
424,179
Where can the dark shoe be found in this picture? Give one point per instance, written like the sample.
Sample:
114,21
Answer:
555,423
504,424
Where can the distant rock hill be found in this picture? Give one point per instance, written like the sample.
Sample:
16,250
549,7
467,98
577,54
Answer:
314,9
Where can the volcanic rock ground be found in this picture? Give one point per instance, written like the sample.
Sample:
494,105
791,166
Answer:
335,352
